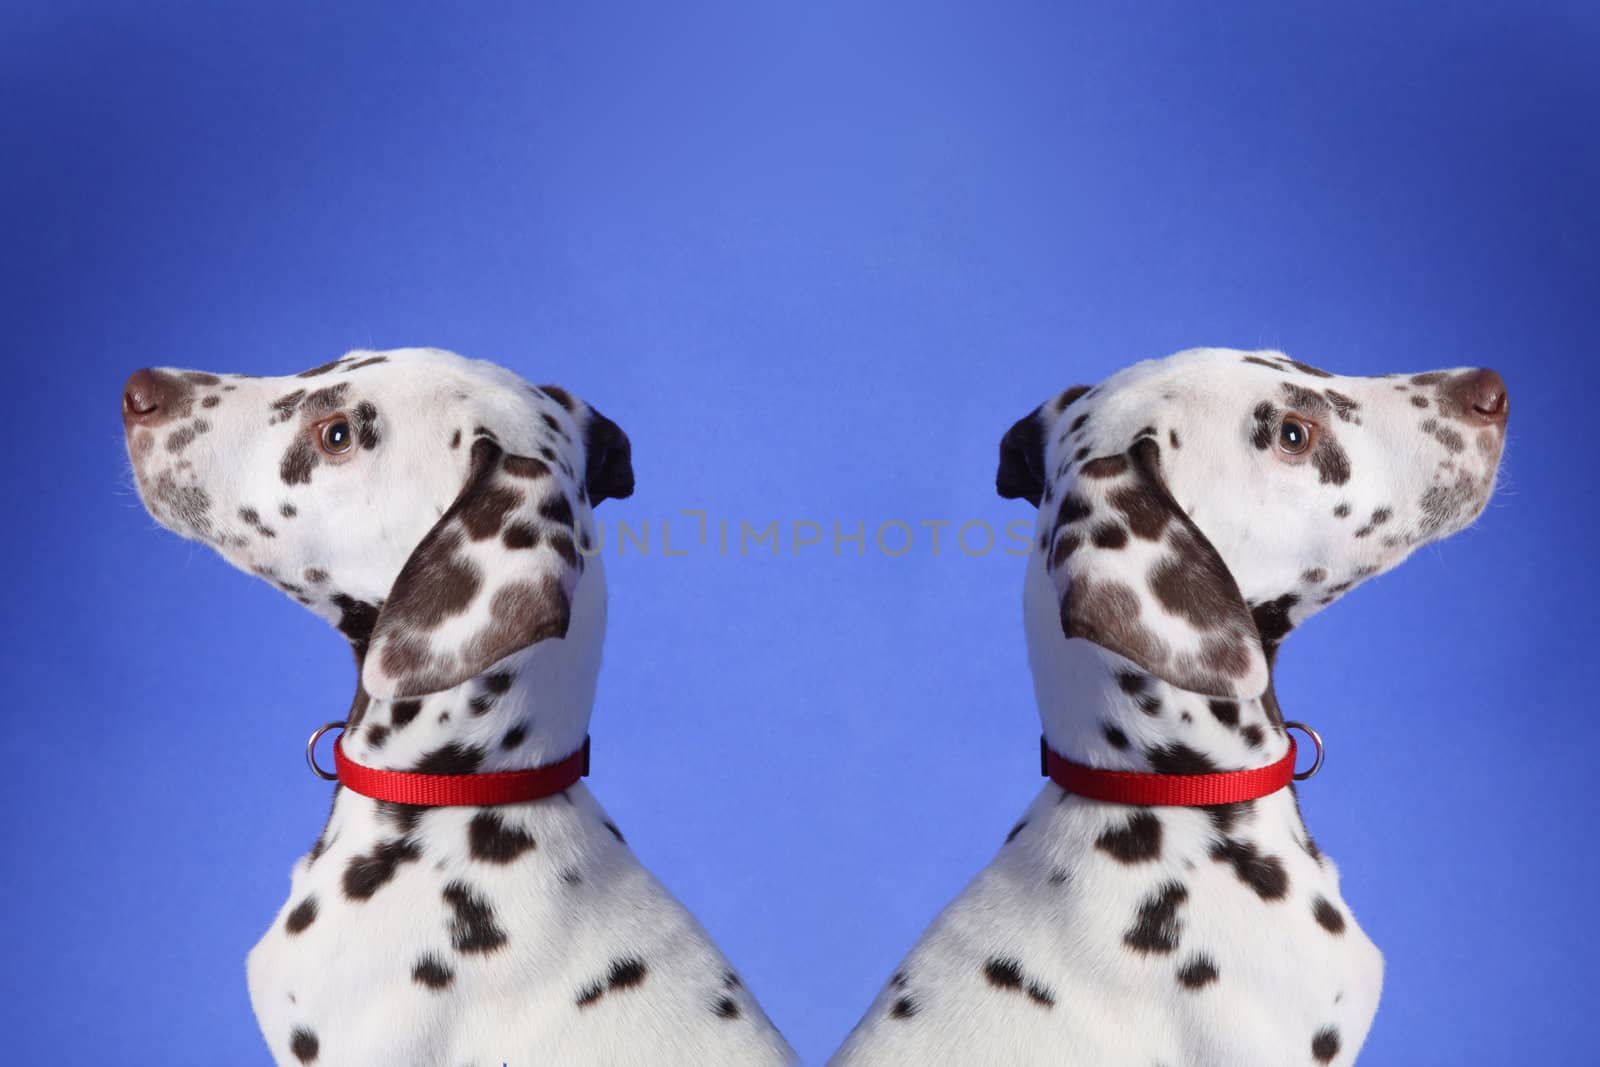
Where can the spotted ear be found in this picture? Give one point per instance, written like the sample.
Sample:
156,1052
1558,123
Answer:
494,575
1136,576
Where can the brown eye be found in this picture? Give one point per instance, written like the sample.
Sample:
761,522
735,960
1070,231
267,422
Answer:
1294,436
335,436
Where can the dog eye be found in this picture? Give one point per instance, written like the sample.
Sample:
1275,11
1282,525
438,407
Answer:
1294,436
336,437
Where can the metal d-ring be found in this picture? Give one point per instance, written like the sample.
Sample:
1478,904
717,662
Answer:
316,735
1316,739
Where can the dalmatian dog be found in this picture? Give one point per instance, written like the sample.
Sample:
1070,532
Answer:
437,511
1192,511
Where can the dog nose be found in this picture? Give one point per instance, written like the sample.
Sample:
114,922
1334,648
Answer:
148,397
1480,395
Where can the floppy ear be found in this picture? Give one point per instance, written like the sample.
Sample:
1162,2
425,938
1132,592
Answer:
494,575
1135,575
608,460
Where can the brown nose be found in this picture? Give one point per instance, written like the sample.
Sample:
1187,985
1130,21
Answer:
1480,396
149,396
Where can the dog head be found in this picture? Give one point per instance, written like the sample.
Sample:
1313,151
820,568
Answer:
437,510
1194,509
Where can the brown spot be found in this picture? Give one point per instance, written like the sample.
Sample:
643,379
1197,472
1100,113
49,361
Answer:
1328,917
1305,401
1105,467
1136,841
324,369
298,462
1265,419
1109,535
1224,711
492,841
434,585
432,972
483,512
1333,465
560,396
1264,874
521,614
1198,973
473,928
1325,1045
1156,927
303,915
453,758
366,874
1146,513
526,467
304,1044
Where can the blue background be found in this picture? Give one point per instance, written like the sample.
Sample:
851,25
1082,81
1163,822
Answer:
815,261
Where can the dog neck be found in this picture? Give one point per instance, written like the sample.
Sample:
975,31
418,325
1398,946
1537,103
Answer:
1100,710
511,717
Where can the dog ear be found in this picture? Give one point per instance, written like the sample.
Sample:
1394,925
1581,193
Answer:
1021,472
608,460
1135,575
495,574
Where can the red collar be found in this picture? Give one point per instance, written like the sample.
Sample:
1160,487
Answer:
1169,790
461,790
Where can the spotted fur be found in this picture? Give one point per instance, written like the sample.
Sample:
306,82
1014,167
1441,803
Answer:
1177,547
452,543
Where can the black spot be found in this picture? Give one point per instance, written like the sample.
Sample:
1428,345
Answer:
1156,927
324,369
1328,916
1272,621
432,972
726,1008
1265,417
1253,735
1148,703
903,1008
303,915
1264,874
1015,830
1325,1044
356,620
473,928
609,825
1198,973
514,737
1333,466
304,1044
404,711
377,734
1224,816
1114,735
1178,758
492,841
1131,681
366,874
588,996
1225,711
626,973
366,424
1137,841
1006,974
450,759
